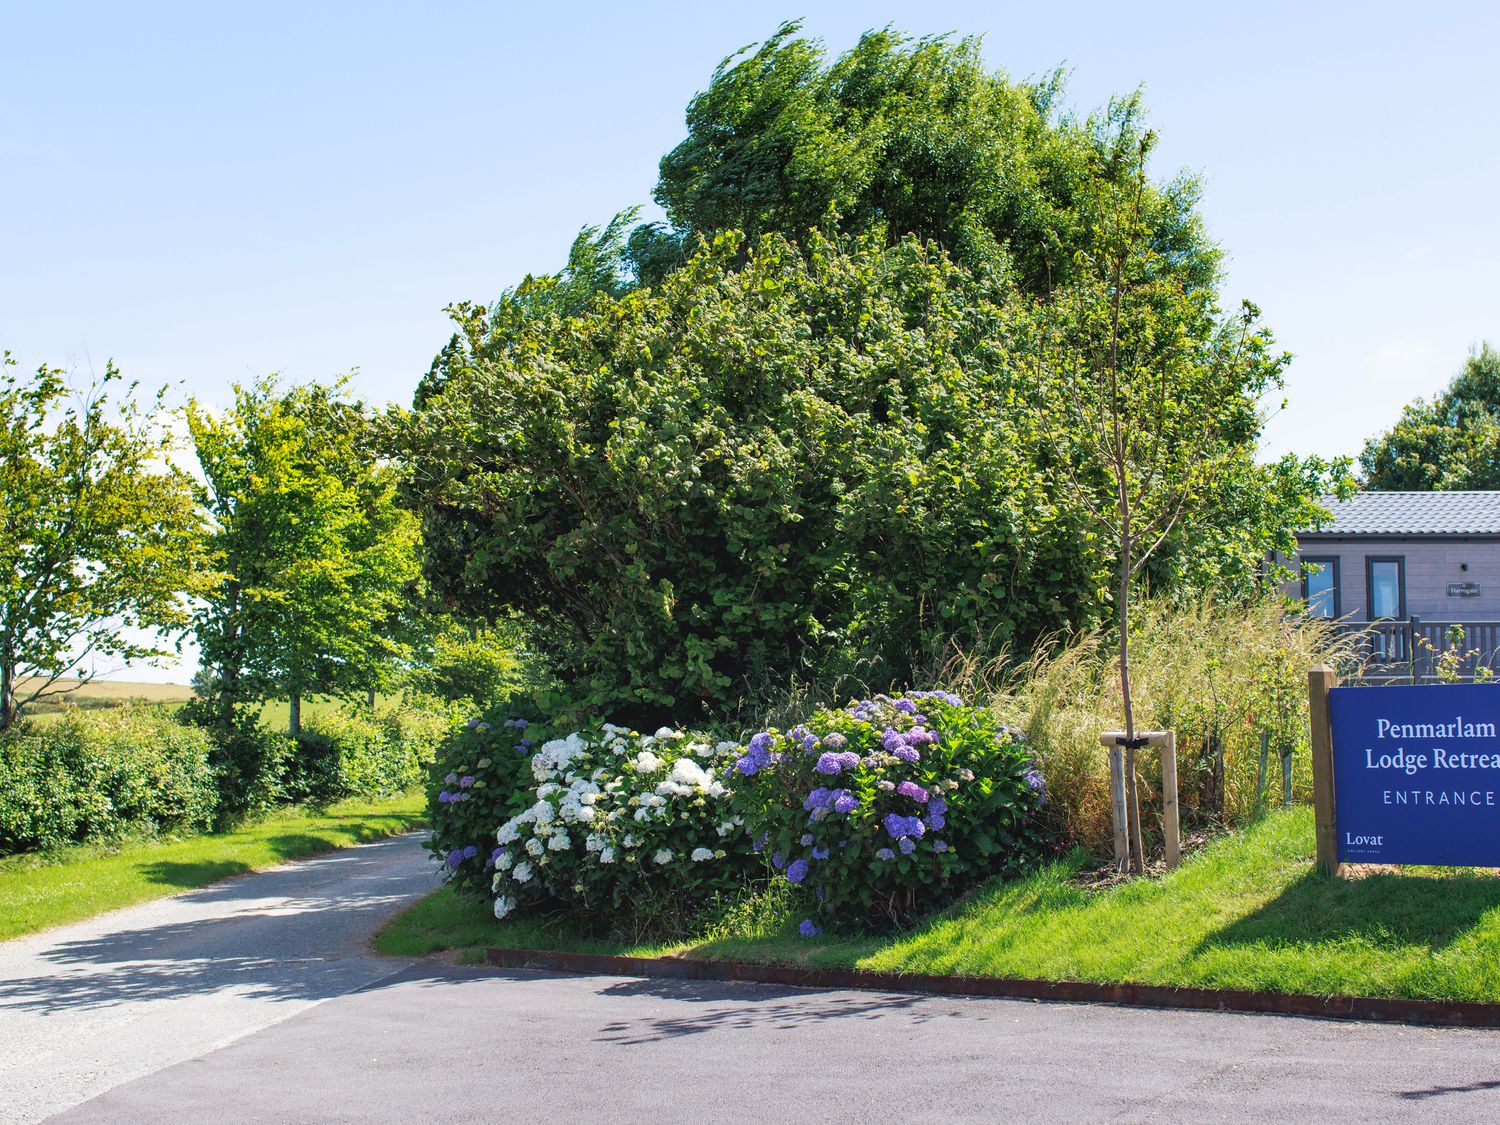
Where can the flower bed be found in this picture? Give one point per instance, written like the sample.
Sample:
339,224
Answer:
890,807
623,819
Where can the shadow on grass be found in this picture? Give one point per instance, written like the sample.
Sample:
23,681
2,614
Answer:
185,876
1384,909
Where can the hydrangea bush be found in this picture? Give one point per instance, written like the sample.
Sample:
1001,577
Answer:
482,778
891,806
622,819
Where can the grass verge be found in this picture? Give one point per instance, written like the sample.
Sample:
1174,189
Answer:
1245,912
50,889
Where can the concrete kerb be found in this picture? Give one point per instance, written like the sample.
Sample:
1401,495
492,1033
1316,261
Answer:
1433,1013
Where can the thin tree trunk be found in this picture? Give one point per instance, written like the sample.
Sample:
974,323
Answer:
296,714
372,700
1135,842
7,693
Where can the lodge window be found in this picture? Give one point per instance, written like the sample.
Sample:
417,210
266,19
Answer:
1320,586
1385,585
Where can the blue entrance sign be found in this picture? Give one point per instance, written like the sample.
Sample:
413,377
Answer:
1416,774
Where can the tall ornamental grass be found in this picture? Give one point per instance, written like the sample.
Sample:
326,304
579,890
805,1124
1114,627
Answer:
1221,675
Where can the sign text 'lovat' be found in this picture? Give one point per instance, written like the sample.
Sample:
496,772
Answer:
1417,774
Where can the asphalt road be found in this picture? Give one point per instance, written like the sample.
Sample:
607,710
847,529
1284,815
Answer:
88,1006
207,1008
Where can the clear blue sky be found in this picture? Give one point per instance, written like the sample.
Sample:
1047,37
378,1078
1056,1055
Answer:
209,192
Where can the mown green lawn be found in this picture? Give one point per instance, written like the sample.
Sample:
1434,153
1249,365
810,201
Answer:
1244,912
41,891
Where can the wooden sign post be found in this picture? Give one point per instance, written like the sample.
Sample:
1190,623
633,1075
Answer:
1320,681
1166,742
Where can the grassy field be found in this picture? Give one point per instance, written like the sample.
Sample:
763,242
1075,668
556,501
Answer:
41,891
104,694
1244,912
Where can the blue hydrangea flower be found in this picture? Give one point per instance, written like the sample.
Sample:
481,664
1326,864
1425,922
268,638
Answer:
940,845
807,929
845,802
906,705
470,852
455,857
907,753
830,763
907,845
885,853
834,741
817,799
891,741
820,853
1036,783
465,782
451,779
778,861
807,839
796,871
760,841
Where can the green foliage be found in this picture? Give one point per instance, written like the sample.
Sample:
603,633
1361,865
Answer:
906,136
95,776
342,754
100,540
1448,443
318,560
477,665
881,812
713,483
480,778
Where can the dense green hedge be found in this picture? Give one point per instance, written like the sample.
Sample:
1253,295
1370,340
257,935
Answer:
89,777
346,754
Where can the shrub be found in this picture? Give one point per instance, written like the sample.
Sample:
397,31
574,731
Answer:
346,754
890,807
480,778
625,820
1219,674
93,776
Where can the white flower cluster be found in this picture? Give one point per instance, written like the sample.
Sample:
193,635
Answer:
612,805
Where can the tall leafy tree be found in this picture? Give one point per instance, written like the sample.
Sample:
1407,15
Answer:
907,136
101,543
1447,443
318,559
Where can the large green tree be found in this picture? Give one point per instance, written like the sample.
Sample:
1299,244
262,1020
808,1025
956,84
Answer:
101,544
318,559
907,136
1446,443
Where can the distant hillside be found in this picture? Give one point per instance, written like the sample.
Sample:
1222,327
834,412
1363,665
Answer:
107,693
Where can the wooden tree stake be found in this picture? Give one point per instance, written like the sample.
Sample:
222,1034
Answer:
1320,680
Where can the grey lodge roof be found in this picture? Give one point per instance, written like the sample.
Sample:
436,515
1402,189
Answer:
1391,514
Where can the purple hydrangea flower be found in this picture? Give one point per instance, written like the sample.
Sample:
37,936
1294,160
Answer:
938,806
760,841
907,845
891,741
907,753
1036,782
807,929
820,853
521,725
472,723
747,765
470,852
885,853
845,802
524,744
761,743
913,791
898,826
834,741
451,779
817,799
455,857
906,705
807,839
465,782
940,845
778,861
495,856
830,763
796,871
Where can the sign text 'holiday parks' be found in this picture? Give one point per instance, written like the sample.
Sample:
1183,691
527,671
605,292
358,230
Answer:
1417,774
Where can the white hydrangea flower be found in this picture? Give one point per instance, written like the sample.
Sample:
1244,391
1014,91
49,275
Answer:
522,872
647,762
509,832
504,905
700,854
505,861
607,855
534,846
559,843
667,732
630,841
663,856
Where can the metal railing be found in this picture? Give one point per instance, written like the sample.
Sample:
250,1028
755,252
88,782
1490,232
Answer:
1417,651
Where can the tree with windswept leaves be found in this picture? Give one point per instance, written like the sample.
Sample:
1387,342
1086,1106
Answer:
318,560
101,543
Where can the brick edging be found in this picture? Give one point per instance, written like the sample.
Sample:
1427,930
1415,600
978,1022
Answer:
1437,1013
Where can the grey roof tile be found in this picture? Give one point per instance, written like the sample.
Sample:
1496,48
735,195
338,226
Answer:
1413,513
